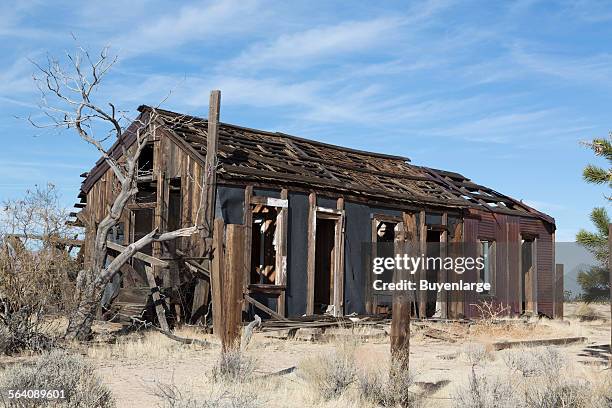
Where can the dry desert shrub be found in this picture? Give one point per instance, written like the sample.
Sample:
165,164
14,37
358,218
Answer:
57,370
35,269
547,381
586,312
234,366
330,374
485,391
173,396
391,389
476,353
535,361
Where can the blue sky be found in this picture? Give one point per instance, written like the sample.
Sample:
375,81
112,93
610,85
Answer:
499,91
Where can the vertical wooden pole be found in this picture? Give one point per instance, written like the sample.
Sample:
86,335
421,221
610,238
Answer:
558,292
312,231
442,301
247,220
422,272
216,275
206,212
282,224
400,319
339,260
210,170
232,298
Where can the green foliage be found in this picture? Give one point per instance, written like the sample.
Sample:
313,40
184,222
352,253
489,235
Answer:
595,284
596,242
596,174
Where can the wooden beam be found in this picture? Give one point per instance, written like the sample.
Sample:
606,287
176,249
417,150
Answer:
282,225
157,302
339,260
400,319
311,239
264,308
232,285
216,275
151,260
207,203
270,201
442,295
247,217
210,169
422,298
558,292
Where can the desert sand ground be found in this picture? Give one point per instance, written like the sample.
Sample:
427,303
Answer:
136,364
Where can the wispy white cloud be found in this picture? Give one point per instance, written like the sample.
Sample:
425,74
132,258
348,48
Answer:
314,46
589,68
197,22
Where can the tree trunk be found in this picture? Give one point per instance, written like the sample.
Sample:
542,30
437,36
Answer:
89,294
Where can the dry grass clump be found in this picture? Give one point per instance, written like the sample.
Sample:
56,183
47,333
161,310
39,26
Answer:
330,374
476,353
145,347
175,397
57,370
535,361
547,381
233,365
585,312
485,391
389,390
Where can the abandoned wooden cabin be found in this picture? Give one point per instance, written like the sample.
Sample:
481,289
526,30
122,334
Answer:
308,208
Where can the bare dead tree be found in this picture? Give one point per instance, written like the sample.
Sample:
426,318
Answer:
68,101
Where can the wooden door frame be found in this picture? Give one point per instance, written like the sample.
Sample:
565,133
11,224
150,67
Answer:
371,294
338,216
533,308
282,225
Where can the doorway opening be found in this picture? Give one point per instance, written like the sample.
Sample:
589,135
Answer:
432,270
324,265
528,275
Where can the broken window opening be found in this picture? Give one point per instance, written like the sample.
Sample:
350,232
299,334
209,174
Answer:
147,193
117,233
486,274
145,161
264,244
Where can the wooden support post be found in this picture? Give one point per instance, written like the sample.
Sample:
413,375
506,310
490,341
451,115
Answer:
247,220
208,201
339,259
210,168
442,296
159,307
400,321
216,275
312,231
282,224
232,285
558,292
422,299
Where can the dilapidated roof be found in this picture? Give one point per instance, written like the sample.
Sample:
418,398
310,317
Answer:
280,159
